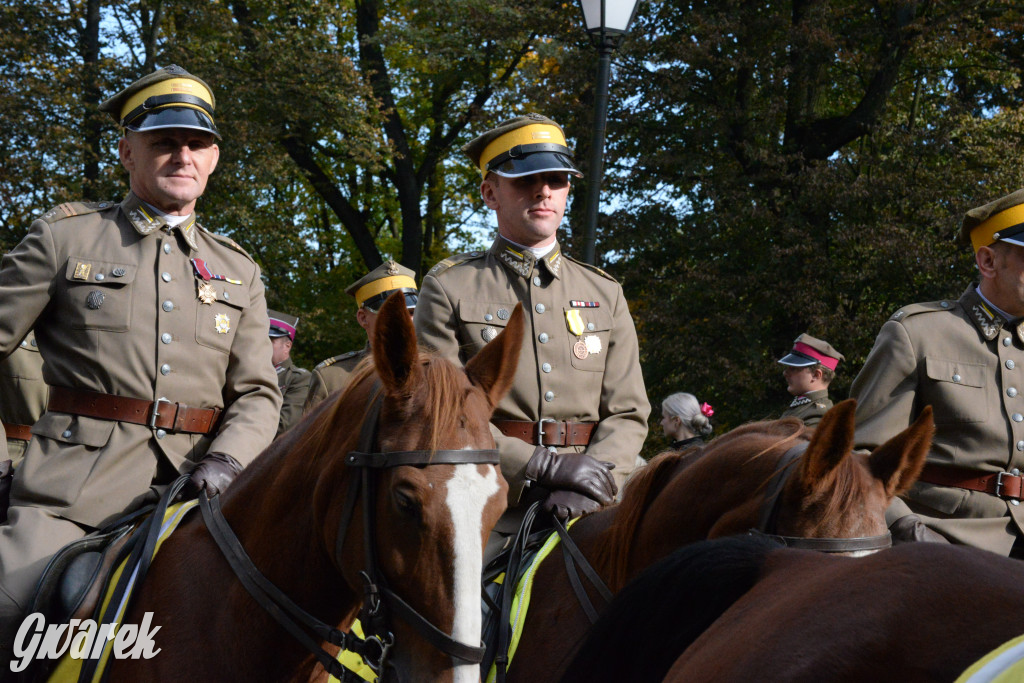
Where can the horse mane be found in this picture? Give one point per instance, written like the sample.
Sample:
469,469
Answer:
648,483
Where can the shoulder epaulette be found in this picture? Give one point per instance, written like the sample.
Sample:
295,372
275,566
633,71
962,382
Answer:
299,369
926,307
590,267
224,239
69,209
331,361
454,260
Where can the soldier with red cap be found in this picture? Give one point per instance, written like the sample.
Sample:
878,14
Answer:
810,367
292,380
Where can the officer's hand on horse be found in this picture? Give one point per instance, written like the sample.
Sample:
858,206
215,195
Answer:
214,472
572,472
569,504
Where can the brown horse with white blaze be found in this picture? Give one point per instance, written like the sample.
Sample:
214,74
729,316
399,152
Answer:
287,507
828,493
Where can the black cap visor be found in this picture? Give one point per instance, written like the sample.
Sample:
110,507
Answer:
174,117
1013,234
538,162
797,360
374,303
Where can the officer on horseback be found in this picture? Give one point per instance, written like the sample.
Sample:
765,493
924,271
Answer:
154,336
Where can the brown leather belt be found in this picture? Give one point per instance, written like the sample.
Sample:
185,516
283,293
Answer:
161,414
23,432
548,432
1002,484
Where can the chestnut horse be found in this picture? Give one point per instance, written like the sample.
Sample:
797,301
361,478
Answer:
723,489
286,509
742,609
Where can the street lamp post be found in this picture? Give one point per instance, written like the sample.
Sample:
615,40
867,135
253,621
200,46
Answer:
606,22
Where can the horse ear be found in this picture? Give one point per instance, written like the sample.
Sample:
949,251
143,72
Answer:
494,368
395,353
832,441
899,461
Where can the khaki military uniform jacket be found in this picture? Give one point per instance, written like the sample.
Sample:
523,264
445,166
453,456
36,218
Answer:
464,301
331,375
293,382
810,407
963,360
23,392
112,295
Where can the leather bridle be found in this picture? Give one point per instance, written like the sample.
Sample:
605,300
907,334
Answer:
377,597
767,526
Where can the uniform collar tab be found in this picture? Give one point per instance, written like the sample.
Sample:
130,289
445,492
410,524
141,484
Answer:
145,220
983,315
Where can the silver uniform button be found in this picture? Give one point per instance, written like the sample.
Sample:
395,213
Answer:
1011,392
546,367
165,369
34,343
945,304
489,333
549,396
536,281
956,378
591,326
1010,364
1020,445
24,344
1017,417
168,306
166,337
1015,472
167,247
503,313
165,276
541,308
100,276
160,433
1007,341
488,317
227,297
542,337
66,434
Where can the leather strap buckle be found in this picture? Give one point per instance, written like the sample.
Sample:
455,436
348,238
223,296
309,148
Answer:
540,429
1001,485
155,412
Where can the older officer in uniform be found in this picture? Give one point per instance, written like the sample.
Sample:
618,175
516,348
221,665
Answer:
292,381
578,405
810,367
964,358
370,293
154,337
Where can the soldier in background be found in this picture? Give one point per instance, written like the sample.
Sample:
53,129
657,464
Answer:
370,293
291,380
578,407
153,333
810,367
965,358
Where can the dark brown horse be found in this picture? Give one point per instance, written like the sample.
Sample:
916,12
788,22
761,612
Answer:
722,489
742,609
286,507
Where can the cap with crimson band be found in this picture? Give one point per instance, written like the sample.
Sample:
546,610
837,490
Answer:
808,351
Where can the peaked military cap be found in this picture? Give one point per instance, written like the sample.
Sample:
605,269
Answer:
167,98
999,221
522,146
808,351
282,325
374,288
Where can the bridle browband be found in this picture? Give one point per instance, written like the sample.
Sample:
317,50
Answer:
374,647
767,524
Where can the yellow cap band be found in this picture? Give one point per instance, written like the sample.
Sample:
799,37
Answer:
171,86
982,236
384,284
525,135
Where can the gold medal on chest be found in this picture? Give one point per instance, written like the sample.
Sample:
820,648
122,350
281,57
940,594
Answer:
207,294
580,350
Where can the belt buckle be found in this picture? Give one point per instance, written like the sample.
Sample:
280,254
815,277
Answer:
540,429
999,483
156,411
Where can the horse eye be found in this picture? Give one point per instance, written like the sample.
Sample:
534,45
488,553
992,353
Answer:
407,504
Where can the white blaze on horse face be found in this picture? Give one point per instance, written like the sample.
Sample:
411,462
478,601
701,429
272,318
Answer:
468,495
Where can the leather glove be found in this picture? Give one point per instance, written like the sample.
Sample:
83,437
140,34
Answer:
569,504
911,529
214,473
573,472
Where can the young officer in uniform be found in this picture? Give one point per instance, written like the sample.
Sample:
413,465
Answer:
578,406
810,367
370,293
293,381
153,332
964,358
